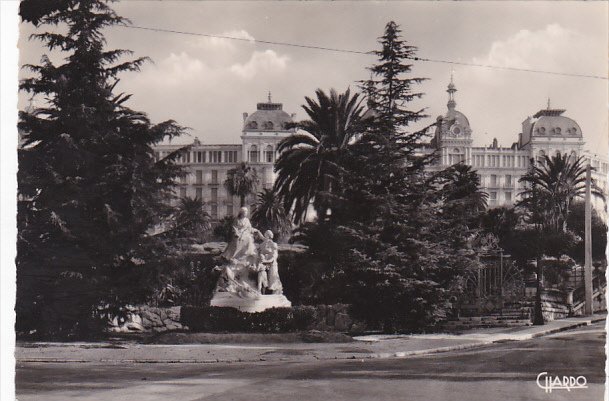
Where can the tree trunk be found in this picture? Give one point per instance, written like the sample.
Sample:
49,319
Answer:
242,199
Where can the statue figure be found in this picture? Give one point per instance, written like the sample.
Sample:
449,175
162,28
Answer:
248,271
268,260
241,247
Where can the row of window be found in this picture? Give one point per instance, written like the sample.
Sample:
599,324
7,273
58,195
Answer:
266,125
254,154
500,161
199,178
218,156
213,203
200,157
495,181
493,200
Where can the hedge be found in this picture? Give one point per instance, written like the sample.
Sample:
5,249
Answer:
274,320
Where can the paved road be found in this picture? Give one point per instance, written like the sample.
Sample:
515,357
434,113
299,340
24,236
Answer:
496,372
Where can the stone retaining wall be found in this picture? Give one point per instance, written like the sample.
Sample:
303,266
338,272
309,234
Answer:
145,318
334,318
160,319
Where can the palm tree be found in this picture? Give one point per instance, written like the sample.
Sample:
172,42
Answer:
308,166
241,181
553,184
463,185
190,218
269,213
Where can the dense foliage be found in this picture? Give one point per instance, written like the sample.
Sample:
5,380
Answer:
310,161
269,214
552,185
241,181
396,240
90,188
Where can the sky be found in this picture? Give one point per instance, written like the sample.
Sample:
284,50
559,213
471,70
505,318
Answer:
207,83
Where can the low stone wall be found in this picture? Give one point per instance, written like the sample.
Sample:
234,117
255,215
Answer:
553,304
328,318
160,319
333,318
145,318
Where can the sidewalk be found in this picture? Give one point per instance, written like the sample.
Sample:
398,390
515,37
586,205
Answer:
365,347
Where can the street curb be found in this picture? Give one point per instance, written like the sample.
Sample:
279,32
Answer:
384,355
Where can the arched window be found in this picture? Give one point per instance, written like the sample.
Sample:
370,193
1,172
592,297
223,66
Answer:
455,156
268,125
269,154
252,125
253,154
541,157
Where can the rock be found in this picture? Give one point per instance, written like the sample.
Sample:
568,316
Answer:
357,328
342,322
146,323
155,320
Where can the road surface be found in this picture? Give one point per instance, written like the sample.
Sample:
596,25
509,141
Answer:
504,371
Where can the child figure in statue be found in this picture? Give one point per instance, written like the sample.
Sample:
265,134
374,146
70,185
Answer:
268,263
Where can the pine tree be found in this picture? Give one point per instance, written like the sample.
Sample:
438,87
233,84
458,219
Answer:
402,230
90,187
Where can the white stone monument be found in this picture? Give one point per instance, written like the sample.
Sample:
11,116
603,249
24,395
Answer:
249,279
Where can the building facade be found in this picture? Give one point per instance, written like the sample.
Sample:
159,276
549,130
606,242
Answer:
207,165
547,132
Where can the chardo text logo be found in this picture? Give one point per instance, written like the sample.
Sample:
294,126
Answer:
549,383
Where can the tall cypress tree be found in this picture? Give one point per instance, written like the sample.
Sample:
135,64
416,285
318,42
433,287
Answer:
90,187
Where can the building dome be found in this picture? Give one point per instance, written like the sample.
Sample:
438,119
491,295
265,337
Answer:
457,119
453,123
267,117
551,123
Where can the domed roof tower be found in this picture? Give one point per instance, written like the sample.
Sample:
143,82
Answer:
453,133
268,116
548,132
262,131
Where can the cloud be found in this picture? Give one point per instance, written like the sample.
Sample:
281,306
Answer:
225,43
266,61
553,48
174,70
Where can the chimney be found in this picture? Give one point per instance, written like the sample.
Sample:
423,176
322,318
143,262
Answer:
245,116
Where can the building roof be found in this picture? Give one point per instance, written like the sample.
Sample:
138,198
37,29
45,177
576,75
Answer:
551,123
268,116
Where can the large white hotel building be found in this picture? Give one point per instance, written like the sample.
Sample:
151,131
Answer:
547,132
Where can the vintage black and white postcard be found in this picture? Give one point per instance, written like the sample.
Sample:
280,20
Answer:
309,200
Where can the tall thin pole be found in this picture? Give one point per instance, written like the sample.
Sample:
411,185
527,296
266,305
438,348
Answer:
588,246
538,318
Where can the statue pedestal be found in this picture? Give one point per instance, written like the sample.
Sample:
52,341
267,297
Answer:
257,304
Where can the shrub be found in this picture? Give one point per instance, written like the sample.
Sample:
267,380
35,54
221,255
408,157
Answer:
224,229
188,279
274,320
